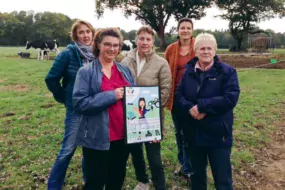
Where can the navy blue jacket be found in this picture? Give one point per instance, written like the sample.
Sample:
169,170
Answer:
92,104
215,94
65,67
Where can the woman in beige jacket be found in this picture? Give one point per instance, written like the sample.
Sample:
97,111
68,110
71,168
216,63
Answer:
149,69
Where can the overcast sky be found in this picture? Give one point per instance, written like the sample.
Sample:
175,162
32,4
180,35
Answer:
85,9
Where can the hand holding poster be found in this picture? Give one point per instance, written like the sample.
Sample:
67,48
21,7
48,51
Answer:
142,114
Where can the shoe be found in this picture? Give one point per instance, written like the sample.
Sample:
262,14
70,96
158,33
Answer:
187,176
142,186
178,171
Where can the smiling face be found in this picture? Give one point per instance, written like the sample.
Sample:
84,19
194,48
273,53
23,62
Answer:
84,34
142,103
109,48
185,30
144,42
205,51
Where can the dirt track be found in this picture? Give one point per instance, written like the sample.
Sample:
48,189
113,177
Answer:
269,172
254,60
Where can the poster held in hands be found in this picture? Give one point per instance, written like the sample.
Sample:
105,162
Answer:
142,114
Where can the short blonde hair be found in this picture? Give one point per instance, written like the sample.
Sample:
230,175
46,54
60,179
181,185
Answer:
76,25
205,37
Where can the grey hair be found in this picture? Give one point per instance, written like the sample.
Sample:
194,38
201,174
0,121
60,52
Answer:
202,37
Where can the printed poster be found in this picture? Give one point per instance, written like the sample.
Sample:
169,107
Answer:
142,114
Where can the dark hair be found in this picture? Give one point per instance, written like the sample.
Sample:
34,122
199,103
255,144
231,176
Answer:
184,19
100,34
141,99
76,25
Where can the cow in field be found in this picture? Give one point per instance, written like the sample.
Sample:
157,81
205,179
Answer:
43,47
127,46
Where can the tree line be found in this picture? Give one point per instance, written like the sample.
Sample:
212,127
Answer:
243,15
16,28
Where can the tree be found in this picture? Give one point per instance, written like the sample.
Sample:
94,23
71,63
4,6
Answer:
16,28
156,13
244,14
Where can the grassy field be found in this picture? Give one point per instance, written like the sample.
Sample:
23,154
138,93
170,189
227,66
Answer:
32,125
13,52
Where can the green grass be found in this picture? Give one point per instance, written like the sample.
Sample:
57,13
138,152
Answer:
32,125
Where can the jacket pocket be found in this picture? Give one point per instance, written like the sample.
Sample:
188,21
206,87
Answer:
214,128
226,129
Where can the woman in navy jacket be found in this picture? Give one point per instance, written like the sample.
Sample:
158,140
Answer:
208,92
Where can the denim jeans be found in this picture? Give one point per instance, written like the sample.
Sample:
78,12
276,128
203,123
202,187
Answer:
220,162
58,172
181,145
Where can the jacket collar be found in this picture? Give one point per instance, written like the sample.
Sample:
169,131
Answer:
98,63
216,68
148,56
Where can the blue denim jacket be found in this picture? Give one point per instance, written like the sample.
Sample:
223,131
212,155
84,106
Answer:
92,104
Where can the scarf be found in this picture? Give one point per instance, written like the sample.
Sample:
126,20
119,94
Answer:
85,52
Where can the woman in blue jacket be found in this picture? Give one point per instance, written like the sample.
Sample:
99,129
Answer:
208,92
98,97
65,68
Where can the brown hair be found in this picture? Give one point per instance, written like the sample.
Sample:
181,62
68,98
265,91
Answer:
184,19
76,25
145,29
100,34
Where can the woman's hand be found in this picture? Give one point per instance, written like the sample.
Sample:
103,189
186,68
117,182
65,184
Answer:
119,92
195,113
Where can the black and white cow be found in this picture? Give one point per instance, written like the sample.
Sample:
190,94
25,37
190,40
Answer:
43,46
127,46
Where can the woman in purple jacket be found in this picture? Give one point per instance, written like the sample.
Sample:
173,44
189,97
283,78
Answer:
208,92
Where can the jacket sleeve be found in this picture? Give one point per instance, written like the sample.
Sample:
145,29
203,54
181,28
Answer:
86,103
165,83
180,96
55,74
224,103
133,83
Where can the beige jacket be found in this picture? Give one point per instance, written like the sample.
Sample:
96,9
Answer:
155,72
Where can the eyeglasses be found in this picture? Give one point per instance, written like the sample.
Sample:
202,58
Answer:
109,45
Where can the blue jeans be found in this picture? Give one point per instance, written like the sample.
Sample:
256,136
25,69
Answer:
220,162
181,145
57,175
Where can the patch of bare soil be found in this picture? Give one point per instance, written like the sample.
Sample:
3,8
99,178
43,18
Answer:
274,158
268,173
15,88
49,105
49,95
254,60
8,114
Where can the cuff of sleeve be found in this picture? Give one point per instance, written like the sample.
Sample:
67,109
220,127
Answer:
201,106
188,107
